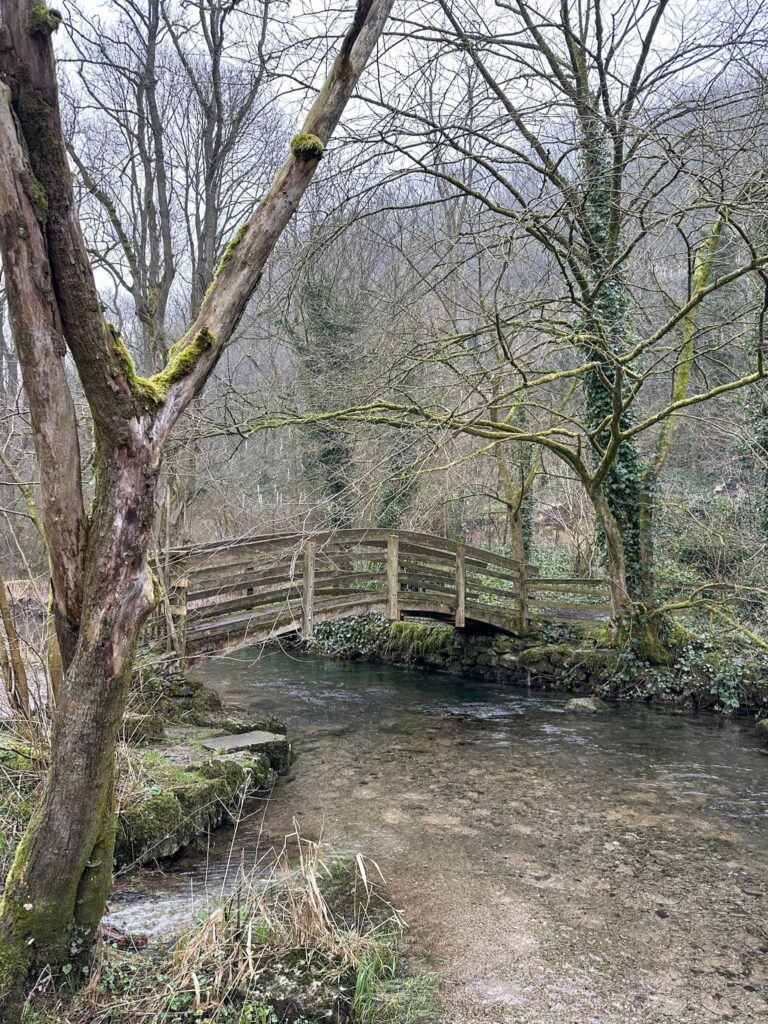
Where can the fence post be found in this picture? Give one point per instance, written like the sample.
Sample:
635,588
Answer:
461,587
393,581
177,608
308,592
523,584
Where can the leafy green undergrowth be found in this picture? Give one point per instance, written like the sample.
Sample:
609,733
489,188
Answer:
710,669
358,636
317,940
369,636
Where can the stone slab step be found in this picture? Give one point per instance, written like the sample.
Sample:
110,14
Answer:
273,744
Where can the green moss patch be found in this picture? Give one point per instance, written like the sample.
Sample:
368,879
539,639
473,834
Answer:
417,640
43,20
140,729
178,803
306,147
183,359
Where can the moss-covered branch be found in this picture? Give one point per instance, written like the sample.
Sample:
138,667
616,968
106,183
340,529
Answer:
184,357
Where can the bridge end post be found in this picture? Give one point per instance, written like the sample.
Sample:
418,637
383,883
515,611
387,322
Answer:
178,584
308,592
461,588
393,577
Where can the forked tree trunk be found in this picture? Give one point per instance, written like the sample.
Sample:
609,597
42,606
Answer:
57,888
58,884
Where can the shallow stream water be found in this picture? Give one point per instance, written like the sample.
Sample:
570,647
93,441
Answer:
555,869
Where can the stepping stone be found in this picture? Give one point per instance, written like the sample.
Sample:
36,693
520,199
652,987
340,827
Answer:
273,744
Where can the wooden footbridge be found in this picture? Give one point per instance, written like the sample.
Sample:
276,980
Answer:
232,594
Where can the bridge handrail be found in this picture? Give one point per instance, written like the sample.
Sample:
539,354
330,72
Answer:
267,542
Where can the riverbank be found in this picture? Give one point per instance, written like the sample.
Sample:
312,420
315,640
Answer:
176,782
299,935
705,675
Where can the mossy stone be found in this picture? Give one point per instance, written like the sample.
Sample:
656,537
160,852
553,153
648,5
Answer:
150,828
139,729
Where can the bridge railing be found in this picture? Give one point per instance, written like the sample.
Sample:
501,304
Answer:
253,589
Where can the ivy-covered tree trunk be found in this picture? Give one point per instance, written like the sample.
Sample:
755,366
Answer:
324,345
609,328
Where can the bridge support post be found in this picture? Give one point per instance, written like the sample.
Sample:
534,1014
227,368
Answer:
461,588
308,592
523,585
393,577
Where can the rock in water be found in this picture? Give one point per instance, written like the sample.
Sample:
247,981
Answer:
585,705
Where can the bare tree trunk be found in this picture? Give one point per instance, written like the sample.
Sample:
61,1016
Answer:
617,568
514,497
18,694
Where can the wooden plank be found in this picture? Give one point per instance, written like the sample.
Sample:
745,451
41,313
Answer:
200,579
393,585
249,601
273,582
230,585
523,599
506,595
413,572
545,582
279,612
460,618
512,576
556,609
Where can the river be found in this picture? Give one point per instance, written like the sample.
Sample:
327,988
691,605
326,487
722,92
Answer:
555,869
